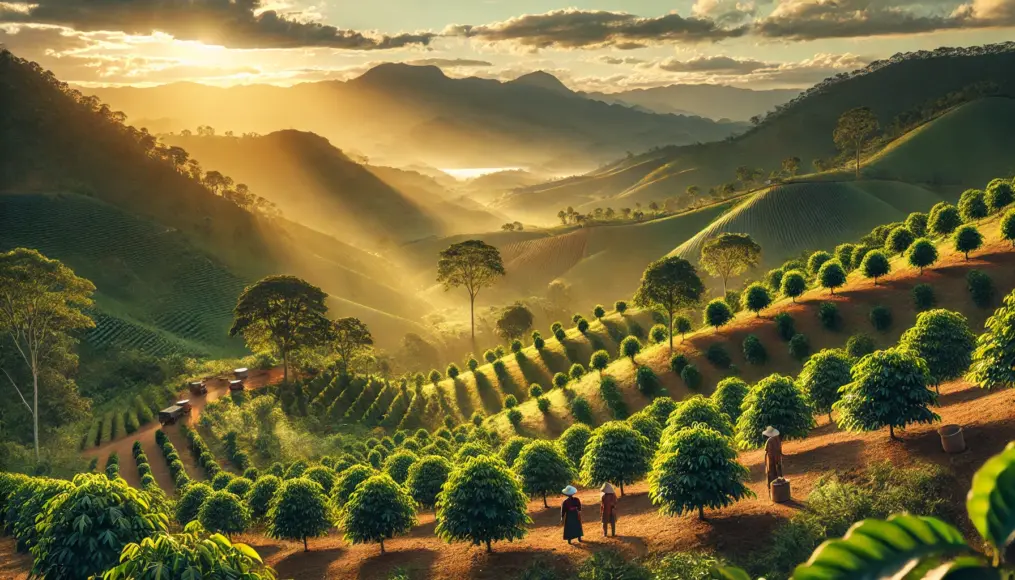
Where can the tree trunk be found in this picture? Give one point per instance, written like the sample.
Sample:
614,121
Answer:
829,417
489,548
546,505
724,287
472,316
859,143
891,432
382,545
622,489
701,513
832,291
967,255
305,548
285,365
671,332
35,411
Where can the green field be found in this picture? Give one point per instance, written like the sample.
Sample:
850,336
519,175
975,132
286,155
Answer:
789,219
155,292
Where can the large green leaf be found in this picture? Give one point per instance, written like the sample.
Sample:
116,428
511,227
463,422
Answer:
965,568
876,549
991,500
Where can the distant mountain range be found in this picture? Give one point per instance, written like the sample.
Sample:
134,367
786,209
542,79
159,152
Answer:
398,114
711,101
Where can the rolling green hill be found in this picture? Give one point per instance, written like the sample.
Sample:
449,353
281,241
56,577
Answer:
897,88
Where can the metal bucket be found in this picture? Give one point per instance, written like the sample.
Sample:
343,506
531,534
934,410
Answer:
952,440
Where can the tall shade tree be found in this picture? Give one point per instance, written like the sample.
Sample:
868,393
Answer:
697,468
543,468
822,376
349,336
922,253
854,128
482,502
573,442
729,255
671,283
378,509
41,303
190,554
281,314
757,298
472,264
514,321
729,396
615,453
943,340
831,275
889,388
777,401
994,358
299,511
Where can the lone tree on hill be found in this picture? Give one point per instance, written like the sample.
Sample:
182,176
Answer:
671,283
729,255
757,298
875,264
514,321
822,376
283,314
889,388
922,253
378,509
41,303
968,239
717,313
777,401
853,129
697,468
943,340
793,284
482,502
349,337
615,453
543,468
831,275
473,264
298,511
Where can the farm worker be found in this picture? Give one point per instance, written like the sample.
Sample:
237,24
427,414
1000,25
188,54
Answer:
608,508
773,455
571,515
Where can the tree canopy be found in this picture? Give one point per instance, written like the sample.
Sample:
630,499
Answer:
615,453
993,357
756,298
349,336
514,321
671,283
777,401
729,396
298,511
698,409
281,314
922,253
852,131
472,264
379,509
729,255
889,388
942,338
831,275
482,502
543,468
822,376
427,477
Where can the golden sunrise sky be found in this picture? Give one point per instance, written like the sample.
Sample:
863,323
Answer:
590,45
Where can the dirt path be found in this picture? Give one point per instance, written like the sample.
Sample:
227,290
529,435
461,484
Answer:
218,387
987,419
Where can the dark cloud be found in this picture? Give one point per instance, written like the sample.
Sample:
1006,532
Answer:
450,62
716,64
232,23
573,28
816,19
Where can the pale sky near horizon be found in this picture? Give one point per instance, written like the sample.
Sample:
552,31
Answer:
604,45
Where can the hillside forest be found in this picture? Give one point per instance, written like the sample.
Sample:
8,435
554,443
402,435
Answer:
232,348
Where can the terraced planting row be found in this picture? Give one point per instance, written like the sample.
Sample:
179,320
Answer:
540,261
152,271
176,469
112,331
126,417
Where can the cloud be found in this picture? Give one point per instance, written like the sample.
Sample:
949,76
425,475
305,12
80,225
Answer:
816,19
573,28
607,59
232,23
719,64
450,62
726,12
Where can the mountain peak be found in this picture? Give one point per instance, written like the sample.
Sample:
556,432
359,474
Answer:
544,80
401,72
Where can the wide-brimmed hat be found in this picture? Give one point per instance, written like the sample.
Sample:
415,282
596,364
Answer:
569,490
607,488
770,431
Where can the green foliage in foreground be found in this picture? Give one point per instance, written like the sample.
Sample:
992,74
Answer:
482,502
191,554
698,409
